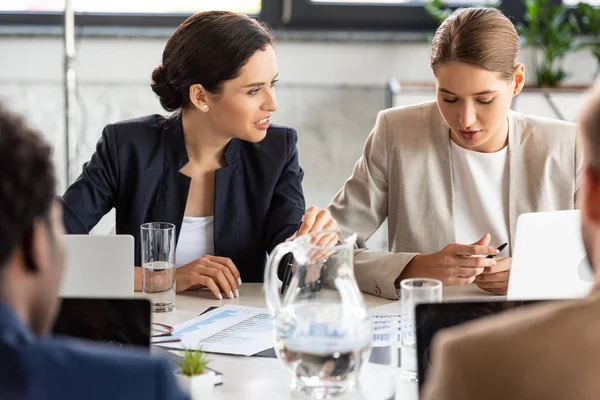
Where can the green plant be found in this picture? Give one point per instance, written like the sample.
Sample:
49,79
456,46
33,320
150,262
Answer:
590,20
552,30
439,11
194,362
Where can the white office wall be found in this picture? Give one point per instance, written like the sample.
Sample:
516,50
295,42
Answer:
329,91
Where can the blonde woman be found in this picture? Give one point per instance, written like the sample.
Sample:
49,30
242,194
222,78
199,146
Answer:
452,175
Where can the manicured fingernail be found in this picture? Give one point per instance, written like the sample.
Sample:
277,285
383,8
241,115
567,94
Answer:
237,293
230,294
493,262
220,296
496,251
240,281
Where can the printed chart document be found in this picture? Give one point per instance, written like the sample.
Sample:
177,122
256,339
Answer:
385,319
229,329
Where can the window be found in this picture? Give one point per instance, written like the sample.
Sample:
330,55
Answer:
371,2
409,15
167,13
573,3
355,15
133,6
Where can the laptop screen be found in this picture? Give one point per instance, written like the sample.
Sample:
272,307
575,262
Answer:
430,318
116,321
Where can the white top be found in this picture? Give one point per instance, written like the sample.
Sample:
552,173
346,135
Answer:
480,185
196,239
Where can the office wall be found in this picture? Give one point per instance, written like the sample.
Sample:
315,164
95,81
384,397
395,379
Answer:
329,91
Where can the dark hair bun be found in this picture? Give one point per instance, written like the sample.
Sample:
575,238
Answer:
169,97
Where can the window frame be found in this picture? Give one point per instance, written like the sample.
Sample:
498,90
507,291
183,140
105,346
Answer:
280,14
304,14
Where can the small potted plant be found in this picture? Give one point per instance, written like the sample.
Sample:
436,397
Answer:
194,377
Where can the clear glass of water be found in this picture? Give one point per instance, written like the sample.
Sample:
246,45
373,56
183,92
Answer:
158,265
412,292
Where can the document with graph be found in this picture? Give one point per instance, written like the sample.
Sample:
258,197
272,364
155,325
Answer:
229,329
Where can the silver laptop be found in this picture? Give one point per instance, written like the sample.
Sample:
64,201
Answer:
98,266
549,259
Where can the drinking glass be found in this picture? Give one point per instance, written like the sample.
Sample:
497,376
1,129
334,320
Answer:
412,292
158,265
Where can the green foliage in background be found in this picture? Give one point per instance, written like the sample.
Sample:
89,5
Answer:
194,362
552,31
439,11
590,21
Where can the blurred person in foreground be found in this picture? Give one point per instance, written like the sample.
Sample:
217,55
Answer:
32,255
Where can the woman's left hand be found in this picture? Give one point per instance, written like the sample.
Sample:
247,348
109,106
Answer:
495,279
316,219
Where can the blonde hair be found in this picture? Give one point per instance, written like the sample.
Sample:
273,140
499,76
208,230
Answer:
482,37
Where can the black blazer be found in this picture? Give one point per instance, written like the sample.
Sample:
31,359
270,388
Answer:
258,196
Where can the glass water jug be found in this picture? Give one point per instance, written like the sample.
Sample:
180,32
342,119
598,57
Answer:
321,325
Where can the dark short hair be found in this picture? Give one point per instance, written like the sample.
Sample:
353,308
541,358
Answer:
27,182
208,48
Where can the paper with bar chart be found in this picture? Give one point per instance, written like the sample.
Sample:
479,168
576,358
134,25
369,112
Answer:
229,329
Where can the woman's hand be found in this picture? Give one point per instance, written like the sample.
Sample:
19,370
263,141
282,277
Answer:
495,279
317,219
218,274
455,264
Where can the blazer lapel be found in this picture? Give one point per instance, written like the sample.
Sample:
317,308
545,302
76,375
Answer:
426,201
172,198
173,191
520,187
227,216
447,210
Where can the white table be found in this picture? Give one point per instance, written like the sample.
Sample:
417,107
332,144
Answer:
267,378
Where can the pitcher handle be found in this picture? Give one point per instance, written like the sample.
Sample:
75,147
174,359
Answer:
270,279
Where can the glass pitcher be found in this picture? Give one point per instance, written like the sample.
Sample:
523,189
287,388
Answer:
322,327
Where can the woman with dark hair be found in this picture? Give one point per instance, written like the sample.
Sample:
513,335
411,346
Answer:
216,168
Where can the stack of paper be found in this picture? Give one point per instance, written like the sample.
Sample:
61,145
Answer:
229,329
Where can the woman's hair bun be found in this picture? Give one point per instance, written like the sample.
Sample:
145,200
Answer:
169,97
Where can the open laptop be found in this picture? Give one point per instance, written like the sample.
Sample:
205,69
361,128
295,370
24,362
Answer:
431,318
549,259
122,322
98,266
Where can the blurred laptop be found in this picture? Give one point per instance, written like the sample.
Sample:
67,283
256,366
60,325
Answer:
115,321
549,259
431,318
98,266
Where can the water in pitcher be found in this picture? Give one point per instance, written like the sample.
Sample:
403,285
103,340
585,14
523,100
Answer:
158,283
323,346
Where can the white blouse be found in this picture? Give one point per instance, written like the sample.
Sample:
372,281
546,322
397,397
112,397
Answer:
480,183
196,239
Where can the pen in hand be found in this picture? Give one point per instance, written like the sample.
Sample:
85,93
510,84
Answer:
500,248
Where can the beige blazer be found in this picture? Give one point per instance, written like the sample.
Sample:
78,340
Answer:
550,351
405,175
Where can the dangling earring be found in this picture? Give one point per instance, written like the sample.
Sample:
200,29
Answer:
204,107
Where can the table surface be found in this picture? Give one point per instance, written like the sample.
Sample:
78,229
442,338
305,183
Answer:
267,378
